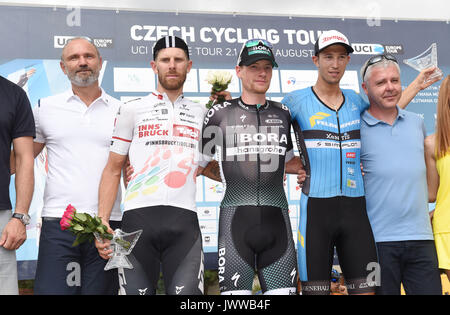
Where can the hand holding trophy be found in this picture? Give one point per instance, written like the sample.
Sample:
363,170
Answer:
427,59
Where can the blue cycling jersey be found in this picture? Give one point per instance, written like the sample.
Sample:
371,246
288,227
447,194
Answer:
331,142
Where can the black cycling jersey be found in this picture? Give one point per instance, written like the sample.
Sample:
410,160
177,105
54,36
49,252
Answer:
252,143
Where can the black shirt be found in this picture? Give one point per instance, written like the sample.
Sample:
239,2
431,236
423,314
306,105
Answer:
16,120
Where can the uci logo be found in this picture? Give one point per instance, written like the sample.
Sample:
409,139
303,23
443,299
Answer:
368,49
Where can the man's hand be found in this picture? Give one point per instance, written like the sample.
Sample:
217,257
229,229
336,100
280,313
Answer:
301,177
423,79
104,246
128,175
225,94
420,83
14,235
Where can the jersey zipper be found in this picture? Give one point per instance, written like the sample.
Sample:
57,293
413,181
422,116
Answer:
258,161
340,149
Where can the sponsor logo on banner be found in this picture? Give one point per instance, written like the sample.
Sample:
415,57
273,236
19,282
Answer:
367,49
60,41
291,80
103,42
394,49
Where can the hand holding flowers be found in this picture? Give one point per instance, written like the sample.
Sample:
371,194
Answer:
85,227
219,81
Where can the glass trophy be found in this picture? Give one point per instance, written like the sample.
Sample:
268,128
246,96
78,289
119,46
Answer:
122,244
425,60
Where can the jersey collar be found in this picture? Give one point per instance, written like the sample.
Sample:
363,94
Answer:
253,108
163,96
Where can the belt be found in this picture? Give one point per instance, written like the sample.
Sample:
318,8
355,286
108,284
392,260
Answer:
50,219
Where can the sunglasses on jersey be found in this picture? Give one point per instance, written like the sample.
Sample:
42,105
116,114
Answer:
377,59
256,42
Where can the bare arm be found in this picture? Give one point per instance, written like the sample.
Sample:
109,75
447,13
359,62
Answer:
37,148
107,194
23,151
432,174
420,83
109,184
14,234
212,171
294,165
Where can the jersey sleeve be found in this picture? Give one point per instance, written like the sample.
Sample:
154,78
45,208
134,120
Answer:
23,121
288,101
123,130
290,147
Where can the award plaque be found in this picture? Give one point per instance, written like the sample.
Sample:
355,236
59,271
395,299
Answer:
425,60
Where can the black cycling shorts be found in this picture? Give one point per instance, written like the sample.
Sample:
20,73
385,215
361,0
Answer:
256,238
341,222
170,242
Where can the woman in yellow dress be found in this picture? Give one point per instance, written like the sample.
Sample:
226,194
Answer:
437,153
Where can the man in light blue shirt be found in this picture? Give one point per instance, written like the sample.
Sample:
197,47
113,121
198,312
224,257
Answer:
392,155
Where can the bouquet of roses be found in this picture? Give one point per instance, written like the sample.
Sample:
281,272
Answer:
86,227
219,81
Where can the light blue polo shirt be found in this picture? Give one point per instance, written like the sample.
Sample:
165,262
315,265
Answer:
395,177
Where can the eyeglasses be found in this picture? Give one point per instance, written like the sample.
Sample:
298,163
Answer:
377,59
256,42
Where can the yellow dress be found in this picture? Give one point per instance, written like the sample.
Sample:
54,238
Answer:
441,219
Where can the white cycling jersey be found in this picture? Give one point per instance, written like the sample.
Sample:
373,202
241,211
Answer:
162,142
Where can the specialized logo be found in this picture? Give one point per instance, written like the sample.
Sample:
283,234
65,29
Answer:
178,289
293,275
243,118
318,116
142,291
235,278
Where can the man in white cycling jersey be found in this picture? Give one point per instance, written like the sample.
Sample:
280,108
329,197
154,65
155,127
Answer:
160,134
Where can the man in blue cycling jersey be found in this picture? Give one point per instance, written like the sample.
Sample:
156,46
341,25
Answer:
333,208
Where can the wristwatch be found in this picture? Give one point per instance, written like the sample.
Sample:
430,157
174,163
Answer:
24,218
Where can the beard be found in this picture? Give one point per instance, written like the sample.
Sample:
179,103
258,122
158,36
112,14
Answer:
172,84
83,81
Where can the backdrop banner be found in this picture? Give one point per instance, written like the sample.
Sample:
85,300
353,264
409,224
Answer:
32,39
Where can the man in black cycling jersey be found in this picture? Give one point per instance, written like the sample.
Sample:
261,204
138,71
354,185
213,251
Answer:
250,136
